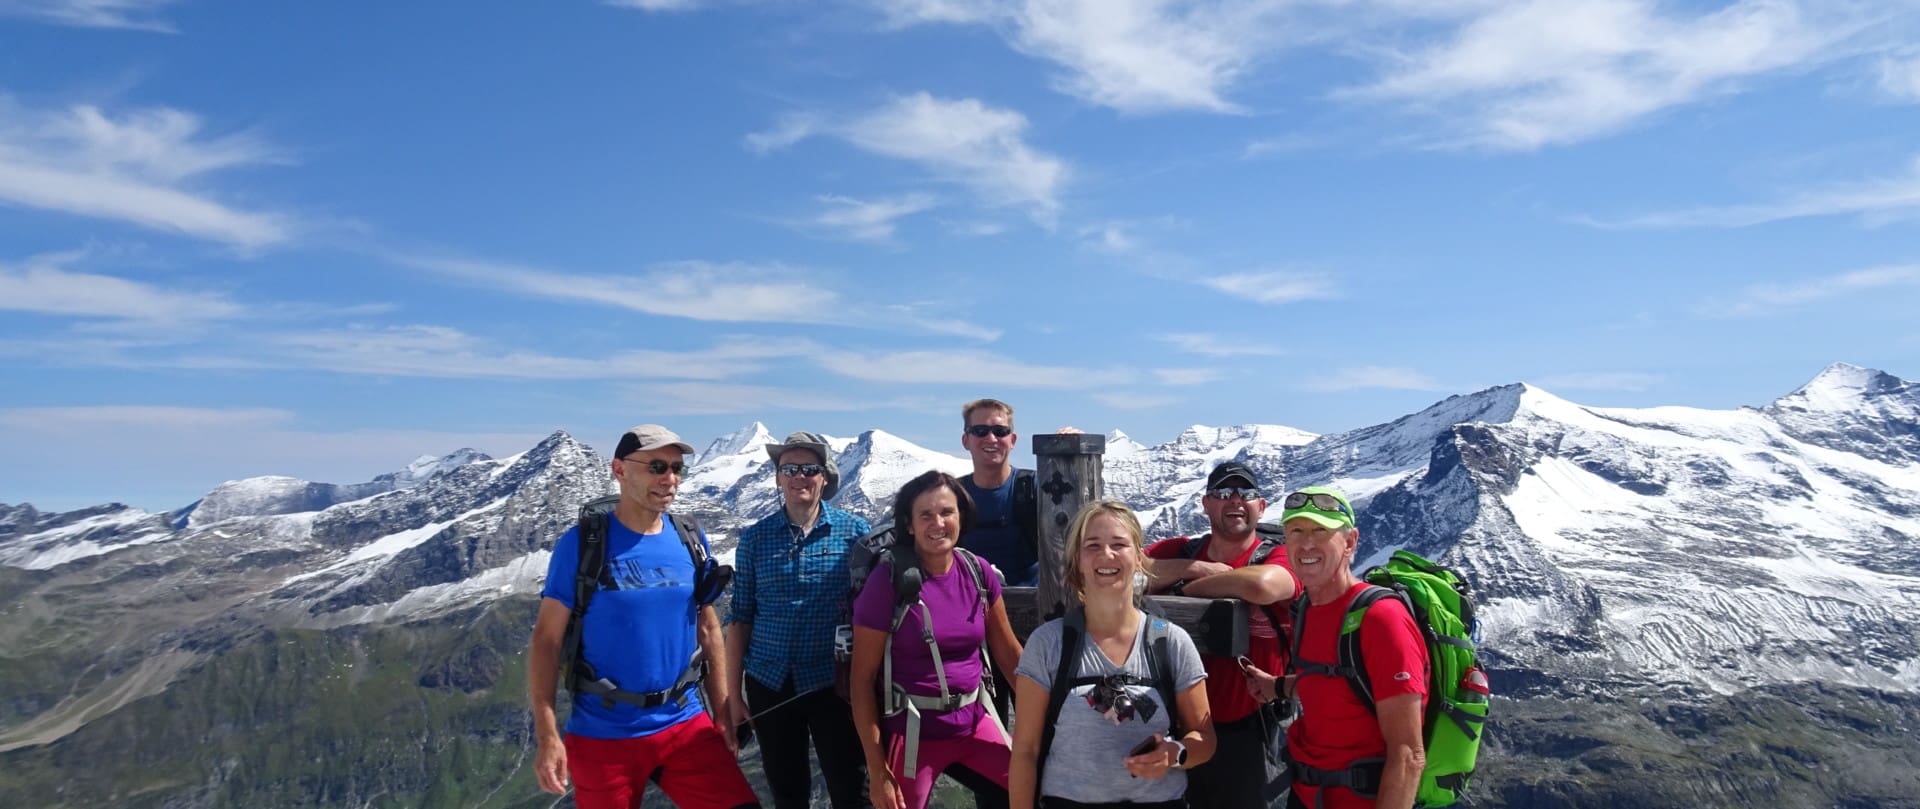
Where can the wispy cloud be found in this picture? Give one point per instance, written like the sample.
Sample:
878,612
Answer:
1135,401
1890,197
444,352
1900,77
724,292
963,367
136,168
44,285
1524,75
864,220
1273,287
159,419
133,14
656,5
961,141
716,398
1601,380
1762,299
1137,56
1212,345
1369,377
1187,376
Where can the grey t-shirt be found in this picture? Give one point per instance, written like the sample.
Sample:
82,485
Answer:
1089,747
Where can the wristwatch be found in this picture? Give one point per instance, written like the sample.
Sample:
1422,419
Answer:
1179,758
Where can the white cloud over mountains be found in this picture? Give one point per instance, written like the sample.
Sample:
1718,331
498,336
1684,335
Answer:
961,141
145,168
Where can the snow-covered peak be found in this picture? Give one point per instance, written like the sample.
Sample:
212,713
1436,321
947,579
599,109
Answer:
1121,445
752,438
427,466
1842,387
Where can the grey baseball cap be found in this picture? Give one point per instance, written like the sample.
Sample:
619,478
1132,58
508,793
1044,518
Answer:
649,436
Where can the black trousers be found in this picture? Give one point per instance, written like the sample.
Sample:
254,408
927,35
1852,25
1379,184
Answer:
1063,803
986,793
1236,776
784,731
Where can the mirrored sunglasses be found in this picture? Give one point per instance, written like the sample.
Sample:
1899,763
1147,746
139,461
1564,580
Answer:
983,430
801,469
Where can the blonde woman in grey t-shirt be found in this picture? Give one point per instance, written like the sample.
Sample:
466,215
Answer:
1091,762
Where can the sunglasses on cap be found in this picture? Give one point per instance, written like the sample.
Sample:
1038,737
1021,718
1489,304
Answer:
660,467
1323,502
983,430
1233,493
801,469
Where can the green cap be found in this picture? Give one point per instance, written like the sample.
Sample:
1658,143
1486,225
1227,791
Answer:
1341,517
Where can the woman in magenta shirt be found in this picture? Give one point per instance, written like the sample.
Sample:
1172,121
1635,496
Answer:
959,602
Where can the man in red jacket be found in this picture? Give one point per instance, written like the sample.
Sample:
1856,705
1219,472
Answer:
1233,561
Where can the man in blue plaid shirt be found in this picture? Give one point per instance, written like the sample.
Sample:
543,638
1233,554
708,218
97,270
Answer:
789,589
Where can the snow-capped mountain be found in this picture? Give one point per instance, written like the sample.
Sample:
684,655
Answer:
1670,575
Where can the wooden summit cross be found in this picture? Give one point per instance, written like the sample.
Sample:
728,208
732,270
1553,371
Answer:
1068,476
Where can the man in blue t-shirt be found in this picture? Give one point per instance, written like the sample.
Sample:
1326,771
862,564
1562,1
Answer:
999,534
641,631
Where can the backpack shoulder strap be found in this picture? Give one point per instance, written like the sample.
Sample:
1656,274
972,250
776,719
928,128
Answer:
1192,547
689,531
1073,637
1026,504
1160,662
590,565
974,565
1353,664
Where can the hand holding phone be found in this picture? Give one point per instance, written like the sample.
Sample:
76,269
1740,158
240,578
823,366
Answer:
1145,746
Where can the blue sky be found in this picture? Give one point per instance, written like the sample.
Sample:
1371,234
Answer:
320,239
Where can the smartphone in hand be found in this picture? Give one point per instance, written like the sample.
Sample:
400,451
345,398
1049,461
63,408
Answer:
1146,746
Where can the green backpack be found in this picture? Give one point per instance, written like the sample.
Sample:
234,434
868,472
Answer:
1457,692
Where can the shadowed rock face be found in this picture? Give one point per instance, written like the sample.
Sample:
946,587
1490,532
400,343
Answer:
1679,606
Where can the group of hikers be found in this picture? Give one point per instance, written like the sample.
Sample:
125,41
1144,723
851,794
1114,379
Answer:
889,658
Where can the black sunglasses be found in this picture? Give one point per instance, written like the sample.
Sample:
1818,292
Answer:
982,430
804,469
1110,697
1233,493
1324,502
660,467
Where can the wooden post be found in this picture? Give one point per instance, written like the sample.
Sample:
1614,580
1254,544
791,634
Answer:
1068,475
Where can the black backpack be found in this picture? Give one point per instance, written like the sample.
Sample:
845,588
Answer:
1073,640
710,580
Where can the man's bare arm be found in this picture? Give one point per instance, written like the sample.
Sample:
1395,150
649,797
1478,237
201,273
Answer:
1254,584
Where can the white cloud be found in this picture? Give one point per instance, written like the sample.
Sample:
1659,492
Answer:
1212,345
1877,200
1601,380
1272,287
1187,376
714,398
1135,401
656,5
1136,56
45,286
1900,77
133,169
1762,299
444,352
157,419
1368,377
725,292
1524,75
728,292
870,221
963,367
964,142
132,14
